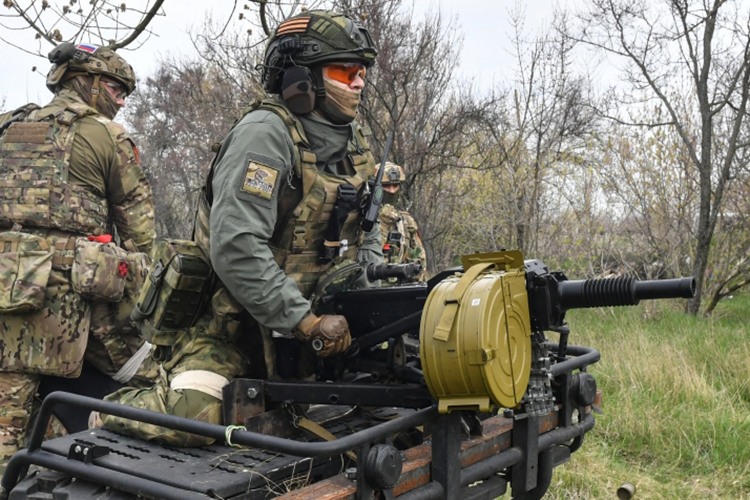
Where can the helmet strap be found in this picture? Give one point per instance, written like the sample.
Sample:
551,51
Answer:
320,88
95,91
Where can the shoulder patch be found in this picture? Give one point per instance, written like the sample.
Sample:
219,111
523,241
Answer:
260,180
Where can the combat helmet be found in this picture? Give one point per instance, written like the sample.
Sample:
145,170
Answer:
393,174
309,40
69,59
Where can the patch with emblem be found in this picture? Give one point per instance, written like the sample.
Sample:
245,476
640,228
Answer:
260,180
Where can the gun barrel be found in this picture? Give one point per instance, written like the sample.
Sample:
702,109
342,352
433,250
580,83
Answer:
623,291
384,271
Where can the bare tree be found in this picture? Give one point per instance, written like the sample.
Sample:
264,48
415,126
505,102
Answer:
97,21
177,117
413,91
705,43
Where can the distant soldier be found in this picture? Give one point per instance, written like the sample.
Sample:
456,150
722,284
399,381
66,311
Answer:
401,241
70,178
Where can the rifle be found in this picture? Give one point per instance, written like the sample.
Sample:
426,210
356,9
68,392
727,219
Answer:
371,208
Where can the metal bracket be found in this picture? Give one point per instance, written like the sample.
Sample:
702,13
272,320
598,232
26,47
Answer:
525,435
446,453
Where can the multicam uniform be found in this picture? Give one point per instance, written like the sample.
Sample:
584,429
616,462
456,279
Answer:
65,171
272,189
401,241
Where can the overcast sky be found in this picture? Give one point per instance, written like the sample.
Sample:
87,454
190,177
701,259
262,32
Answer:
483,23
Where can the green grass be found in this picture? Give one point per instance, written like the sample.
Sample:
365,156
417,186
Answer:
676,401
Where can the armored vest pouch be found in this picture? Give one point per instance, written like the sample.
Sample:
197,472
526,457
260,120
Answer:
99,271
25,265
175,291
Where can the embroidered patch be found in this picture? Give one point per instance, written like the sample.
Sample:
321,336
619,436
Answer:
260,180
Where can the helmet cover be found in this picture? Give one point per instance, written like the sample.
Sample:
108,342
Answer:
70,59
313,38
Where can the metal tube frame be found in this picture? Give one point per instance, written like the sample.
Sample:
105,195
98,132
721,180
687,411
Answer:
361,440
34,455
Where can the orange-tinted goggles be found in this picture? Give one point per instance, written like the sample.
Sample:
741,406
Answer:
344,73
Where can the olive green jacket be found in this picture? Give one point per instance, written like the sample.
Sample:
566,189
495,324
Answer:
241,225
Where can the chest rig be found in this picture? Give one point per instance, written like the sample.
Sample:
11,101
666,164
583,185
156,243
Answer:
306,204
394,235
35,191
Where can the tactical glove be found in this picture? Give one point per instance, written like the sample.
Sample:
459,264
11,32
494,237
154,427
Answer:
332,330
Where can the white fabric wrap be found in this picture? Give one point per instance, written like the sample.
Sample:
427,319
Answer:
130,368
200,380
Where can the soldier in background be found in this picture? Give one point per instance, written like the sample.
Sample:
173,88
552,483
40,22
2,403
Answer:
70,178
401,241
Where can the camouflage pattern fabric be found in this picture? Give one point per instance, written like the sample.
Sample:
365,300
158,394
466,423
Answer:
47,179
219,343
16,400
99,271
64,171
50,341
133,213
296,246
109,348
177,284
196,349
113,338
409,248
25,265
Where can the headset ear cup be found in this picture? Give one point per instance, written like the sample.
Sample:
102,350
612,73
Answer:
298,90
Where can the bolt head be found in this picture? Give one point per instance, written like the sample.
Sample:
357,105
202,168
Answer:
252,392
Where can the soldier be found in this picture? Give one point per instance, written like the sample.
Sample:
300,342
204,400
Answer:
401,241
266,221
68,174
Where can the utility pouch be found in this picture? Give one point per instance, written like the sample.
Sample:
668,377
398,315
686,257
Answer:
99,271
174,293
25,265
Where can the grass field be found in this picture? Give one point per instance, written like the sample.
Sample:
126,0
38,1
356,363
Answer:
676,402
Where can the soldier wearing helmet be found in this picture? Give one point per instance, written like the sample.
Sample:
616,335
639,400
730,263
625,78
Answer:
68,173
280,208
402,243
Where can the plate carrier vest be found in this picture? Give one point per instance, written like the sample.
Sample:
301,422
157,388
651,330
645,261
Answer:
34,162
304,211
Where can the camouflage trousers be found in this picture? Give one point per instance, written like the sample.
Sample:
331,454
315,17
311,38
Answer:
189,385
110,348
17,391
107,349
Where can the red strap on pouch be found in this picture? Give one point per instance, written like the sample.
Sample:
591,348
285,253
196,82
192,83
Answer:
104,238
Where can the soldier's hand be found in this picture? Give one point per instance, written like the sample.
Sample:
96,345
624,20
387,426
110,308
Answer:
331,330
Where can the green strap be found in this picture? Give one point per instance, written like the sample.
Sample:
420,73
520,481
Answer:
445,325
